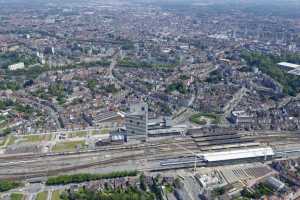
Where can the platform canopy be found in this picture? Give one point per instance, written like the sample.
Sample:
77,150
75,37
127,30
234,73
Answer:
238,154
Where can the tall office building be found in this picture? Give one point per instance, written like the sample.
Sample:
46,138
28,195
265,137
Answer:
136,121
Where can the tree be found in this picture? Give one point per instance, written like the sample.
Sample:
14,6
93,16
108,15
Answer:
91,84
5,132
6,185
268,65
142,182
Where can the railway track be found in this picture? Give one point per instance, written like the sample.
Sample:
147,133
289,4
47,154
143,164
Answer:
159,153
156,154
51,172
110,149
104,149
103,163
152,152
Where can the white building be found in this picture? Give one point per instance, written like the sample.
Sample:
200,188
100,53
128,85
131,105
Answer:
16,66
289,66
241,117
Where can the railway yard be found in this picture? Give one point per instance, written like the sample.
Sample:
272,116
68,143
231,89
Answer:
204,147
149,100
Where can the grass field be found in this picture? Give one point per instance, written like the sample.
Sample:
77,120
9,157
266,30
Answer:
203,118
42,196
78,134
104,131
85,133
12,140
37,138
29,138
101,131
68,146
16,196
2,141
56,195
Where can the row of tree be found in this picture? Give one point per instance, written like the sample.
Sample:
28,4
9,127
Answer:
6,185
128,62
79,178
130,193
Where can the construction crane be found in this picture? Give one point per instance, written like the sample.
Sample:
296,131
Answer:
190,151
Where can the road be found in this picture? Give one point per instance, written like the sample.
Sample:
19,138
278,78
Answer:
184,116
230,106
192,186
114,62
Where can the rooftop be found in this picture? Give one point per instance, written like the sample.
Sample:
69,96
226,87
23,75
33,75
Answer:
295,71
240,113
289,65
238,154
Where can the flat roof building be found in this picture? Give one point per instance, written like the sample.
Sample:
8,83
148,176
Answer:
275,183
295,72
136,121
16,66
292,68
241,116
288,65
